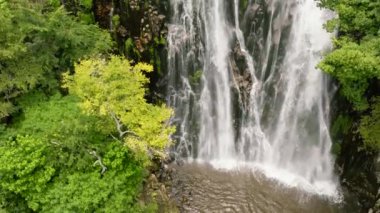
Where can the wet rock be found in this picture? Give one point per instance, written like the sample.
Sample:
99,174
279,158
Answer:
102,10
158,191
163,175
153,182
170,158
180,162
163,190
360,174
242,77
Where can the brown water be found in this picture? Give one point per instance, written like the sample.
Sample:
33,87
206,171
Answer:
200,188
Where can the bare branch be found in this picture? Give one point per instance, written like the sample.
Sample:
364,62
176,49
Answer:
119,127
55,143
99,161
117,139
129,132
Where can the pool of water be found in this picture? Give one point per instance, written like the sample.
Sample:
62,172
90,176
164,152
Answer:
202,188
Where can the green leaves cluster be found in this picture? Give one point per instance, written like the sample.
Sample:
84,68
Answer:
355,61
356,18
24,160
114,91
370,127
354,66
52,159
82,9
36,46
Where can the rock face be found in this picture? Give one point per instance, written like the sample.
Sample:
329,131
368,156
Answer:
158,187
359,175
376,208
102,12
358,168
140,30
241,74
141,23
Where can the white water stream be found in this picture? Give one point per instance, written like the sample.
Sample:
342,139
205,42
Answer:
282,127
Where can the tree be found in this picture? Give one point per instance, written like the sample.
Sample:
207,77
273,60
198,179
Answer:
356,18
56,159
355,66
36,46
114,90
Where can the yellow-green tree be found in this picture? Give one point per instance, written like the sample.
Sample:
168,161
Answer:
114,90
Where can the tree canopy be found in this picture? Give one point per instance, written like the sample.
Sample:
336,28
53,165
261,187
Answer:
57,159
114,90
355,61
76,131
37,45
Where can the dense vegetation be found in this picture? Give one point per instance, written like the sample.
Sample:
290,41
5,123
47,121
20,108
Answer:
355,62
355,65
76,132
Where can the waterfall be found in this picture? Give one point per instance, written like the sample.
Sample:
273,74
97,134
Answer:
245,89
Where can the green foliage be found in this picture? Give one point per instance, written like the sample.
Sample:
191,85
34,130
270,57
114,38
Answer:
243,5
357,18
370,127
54,3
196,77
60,167
354,66
114,191
24,166
79,8
355,62
114,90
341,126
116,20
59,121
86,4
130,49
64,154
35,47
159,41
86,18
72,5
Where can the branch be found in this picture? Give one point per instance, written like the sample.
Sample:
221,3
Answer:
119,127
116,139
99,161
55,143
129,132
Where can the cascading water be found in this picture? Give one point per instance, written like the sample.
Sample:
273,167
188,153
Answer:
245,88
199,48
